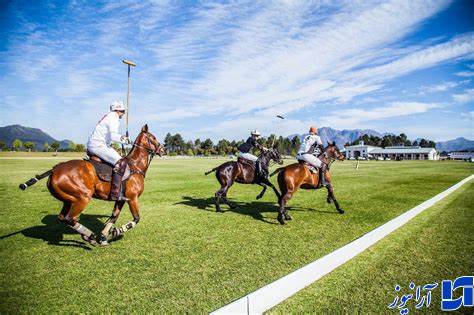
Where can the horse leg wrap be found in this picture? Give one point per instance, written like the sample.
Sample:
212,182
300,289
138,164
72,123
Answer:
107,228
87,234
130,225
116,232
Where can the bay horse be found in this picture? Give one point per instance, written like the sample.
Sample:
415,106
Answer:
243,173
297,175
76,182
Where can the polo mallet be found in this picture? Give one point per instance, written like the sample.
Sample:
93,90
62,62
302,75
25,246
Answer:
129,64
280,117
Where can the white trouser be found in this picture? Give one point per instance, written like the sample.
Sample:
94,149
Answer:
248,156
311,159
105,153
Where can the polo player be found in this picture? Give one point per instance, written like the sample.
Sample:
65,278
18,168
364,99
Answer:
308,152
104,134
245,149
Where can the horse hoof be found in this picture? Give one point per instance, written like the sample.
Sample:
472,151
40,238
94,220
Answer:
258,197
288,217
102,239
280,219
90,240
341,211
328,200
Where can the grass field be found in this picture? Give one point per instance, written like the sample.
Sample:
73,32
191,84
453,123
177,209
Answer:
184,257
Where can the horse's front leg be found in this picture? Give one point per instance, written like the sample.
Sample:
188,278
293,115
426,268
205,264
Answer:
133,204
331,196
269,183
260,195
110,223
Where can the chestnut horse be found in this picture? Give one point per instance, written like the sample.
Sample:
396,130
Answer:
75,183
242,172
297,175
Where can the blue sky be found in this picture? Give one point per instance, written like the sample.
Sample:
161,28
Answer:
220,69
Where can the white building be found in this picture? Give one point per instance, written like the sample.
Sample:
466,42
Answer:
394,152
360,150
406,153
461,155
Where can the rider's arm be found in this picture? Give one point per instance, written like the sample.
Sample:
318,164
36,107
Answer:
113,125
319,143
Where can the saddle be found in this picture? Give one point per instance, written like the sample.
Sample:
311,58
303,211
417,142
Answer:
246,162
104,169
311,168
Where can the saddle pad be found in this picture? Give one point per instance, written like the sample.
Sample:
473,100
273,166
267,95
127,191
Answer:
245,161
104,171
311,168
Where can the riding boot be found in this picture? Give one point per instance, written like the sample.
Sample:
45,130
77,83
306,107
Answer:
258,171
264,172
116,185
322,177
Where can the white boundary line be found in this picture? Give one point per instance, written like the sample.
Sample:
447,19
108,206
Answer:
276,292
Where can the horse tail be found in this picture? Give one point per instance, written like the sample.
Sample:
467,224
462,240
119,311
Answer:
278,170
209,172
35,179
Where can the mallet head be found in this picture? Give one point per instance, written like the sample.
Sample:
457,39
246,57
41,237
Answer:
128,62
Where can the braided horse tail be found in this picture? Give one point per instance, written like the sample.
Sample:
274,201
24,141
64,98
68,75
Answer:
35,179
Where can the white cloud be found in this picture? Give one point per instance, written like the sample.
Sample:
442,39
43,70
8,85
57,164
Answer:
465,74
354,118
465,97
440,87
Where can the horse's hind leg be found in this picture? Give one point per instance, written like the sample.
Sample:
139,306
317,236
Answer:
283,213
71,219
64,210
331,196
224,195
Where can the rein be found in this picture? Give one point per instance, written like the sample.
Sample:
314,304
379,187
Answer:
151,154
331,159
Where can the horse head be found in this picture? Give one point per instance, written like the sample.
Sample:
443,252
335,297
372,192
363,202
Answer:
275,155
149,142
333,152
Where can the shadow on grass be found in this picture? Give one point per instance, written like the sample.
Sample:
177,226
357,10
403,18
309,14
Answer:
251,208
52,230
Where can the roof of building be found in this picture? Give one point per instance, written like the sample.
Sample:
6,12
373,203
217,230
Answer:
359,146
402,150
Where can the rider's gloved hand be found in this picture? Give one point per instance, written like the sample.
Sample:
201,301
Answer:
125,140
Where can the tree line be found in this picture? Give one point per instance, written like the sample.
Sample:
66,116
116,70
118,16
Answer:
176,145
392,140
18,145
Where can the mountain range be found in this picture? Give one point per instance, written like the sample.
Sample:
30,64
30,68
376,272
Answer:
9,133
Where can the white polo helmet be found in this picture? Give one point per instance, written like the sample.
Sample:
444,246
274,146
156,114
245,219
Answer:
255,133
117,105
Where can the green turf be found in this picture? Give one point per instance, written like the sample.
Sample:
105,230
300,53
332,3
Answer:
183,256
437,244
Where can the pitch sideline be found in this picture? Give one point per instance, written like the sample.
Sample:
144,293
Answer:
276,292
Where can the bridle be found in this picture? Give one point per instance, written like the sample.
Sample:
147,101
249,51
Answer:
331,159
272,160
151,153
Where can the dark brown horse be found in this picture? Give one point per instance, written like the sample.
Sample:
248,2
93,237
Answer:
298,175
243,172
76,182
